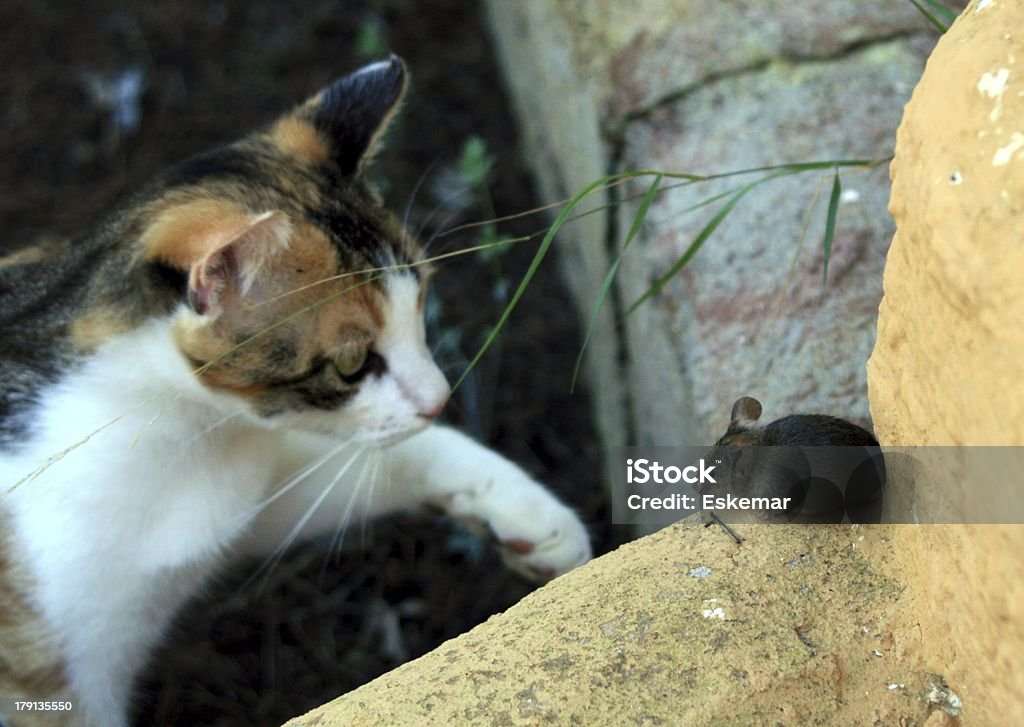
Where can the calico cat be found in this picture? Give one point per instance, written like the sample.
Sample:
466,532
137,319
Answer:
205,375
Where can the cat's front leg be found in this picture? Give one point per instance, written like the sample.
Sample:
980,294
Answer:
538,535
323,489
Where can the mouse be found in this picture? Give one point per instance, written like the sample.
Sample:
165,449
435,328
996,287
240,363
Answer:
795,430
808,468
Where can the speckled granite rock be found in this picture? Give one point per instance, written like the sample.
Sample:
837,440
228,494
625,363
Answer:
681,85
750,313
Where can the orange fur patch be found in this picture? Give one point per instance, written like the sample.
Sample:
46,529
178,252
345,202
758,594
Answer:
300,139
34,254
31,666
97,326
308,306
183,234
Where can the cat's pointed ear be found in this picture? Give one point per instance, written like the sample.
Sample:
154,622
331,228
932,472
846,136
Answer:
235,268
226,251
354,112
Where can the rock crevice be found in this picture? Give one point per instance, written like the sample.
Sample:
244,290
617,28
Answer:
615,128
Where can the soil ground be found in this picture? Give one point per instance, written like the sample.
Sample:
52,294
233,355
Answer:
323,621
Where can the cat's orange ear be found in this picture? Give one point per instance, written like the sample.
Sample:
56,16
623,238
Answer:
225,250
354,112
239,265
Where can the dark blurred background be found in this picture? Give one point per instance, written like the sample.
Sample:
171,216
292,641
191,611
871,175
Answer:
96,97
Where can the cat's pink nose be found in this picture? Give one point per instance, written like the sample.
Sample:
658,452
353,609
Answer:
433,409
421,382
431,405
433,412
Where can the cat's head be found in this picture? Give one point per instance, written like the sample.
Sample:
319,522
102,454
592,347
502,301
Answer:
304,297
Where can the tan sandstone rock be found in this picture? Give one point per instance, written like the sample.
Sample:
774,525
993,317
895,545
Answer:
684,627
948,366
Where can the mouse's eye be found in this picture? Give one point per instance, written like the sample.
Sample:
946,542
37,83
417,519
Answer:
351,360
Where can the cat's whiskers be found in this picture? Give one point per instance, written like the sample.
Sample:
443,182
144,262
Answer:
282,488
415,191
217,424
446,201
440,227
376,457
275,557
339,532
375,475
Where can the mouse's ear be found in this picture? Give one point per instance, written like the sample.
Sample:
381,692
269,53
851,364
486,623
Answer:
745,411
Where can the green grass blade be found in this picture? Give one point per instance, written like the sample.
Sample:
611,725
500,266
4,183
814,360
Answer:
944,14
710,228
538,257
687,179
694,247
565,215
830,224
793,168
638,220
929,14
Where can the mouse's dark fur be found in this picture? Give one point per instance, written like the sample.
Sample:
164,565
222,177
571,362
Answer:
795,430
811,458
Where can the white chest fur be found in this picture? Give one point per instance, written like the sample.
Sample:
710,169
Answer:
136,479
132,455
132,483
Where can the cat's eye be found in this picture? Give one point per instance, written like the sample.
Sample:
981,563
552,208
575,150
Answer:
351,360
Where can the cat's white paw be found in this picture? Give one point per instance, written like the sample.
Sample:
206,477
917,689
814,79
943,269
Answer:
539,537
564,546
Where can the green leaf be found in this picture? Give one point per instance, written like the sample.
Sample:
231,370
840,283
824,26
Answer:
712,225
370,43
943,13
937,14
474,161
692,250
830,224
638,220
